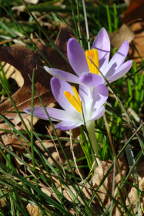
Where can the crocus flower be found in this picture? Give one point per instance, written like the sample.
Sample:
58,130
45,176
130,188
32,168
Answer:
96,60
77,108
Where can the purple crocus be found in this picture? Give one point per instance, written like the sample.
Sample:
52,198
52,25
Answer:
96,60
77,108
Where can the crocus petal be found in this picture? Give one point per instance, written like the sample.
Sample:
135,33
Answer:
62,74
98,113
39,112
58,88
76,57
62,115
120,55
100,96
91,80
87,100
122,70
57,114
102,44
67,125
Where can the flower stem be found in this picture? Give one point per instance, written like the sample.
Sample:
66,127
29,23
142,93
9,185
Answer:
91,133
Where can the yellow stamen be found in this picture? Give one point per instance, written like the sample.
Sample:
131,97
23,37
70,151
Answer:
76,94
74,100
92,60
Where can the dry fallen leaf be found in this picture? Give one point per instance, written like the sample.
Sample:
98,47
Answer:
134,11
12,72
123,33
21,63
133,196
31,63
32,1
13,140
137,47
28,62
106,189
33,210
50,148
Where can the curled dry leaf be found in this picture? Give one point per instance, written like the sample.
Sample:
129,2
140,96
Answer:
134,196
26,62
123,33
137,48
33,210
3,202
134,11
32,1
12,72
106,190
13,140
26,66
55,154
21,64
134,16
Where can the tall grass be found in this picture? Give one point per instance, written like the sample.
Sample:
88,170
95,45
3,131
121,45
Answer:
55,175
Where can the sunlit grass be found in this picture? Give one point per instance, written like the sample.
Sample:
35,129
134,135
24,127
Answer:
64,185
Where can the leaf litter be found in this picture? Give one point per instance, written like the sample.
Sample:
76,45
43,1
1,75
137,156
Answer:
19,68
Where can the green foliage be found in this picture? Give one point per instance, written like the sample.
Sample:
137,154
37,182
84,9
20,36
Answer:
57,187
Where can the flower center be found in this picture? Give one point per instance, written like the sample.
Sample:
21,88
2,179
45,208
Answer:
74,99
92,60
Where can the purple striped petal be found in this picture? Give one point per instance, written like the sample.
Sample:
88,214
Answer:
100,96
57,114
122,70
91,80
58,88
76,57
119,56
62,115
98,113
102,44
65,125
62,74
39,112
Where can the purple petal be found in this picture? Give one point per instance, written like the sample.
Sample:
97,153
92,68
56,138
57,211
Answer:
100,95
76,57
62,74
120,55
85,93
39,112
65,125
91,80
58,88
102,89
64,114
57,114
102,44
98,113
122,70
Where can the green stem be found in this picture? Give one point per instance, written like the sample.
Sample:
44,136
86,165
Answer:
91,132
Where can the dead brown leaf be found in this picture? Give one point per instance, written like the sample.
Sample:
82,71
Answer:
50,150
12,72
26,62
123,33
32,1
134,11
20,64
109,186
33,210
13,140
105,191
26,65
137,47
